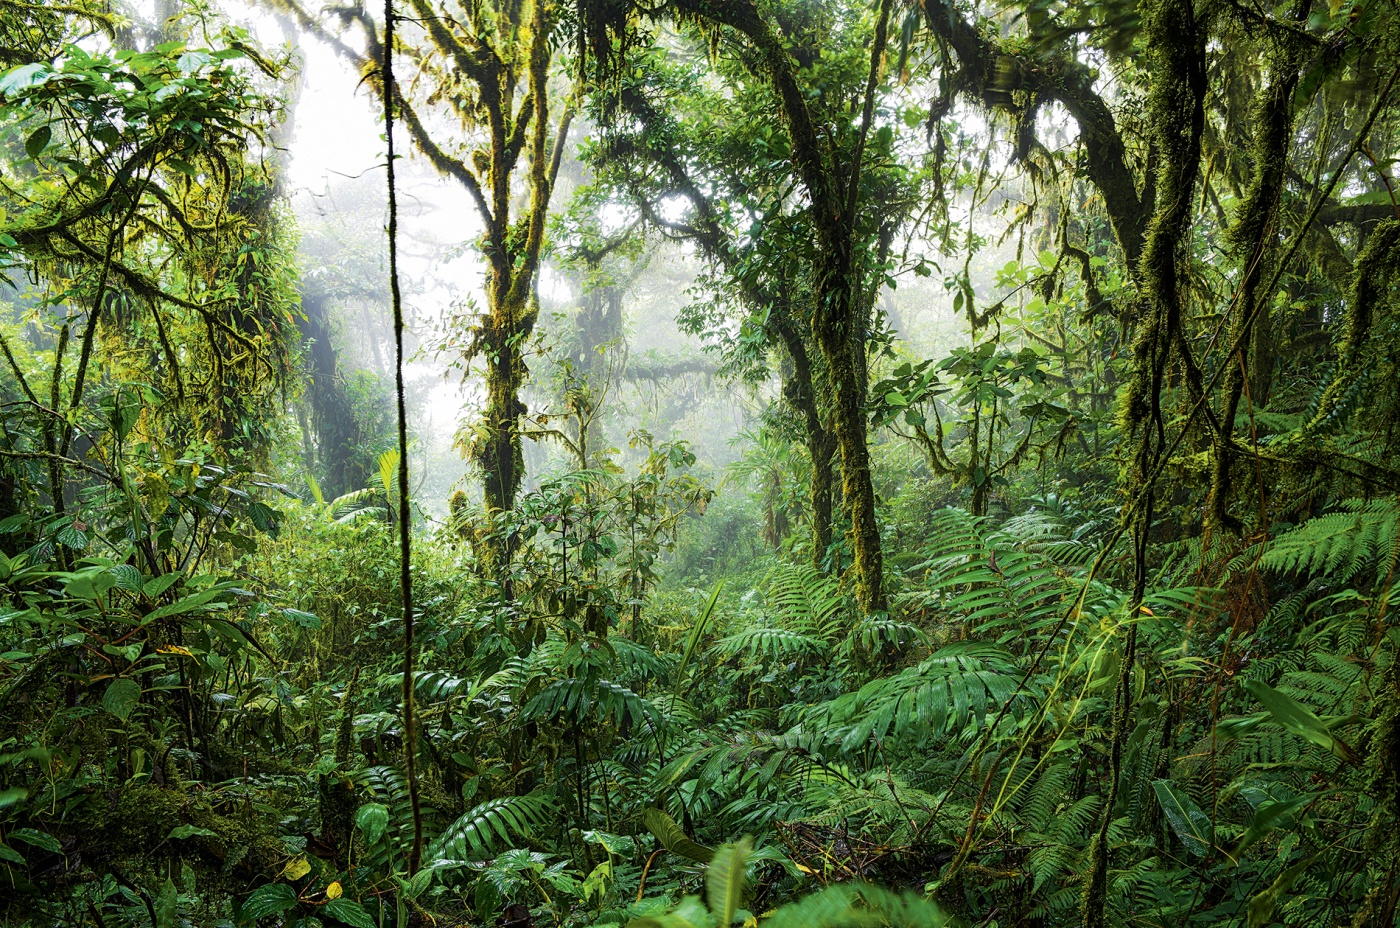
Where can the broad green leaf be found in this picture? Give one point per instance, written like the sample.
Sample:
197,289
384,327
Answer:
38,140
372,819
167,905
158,585
90,583
17,80
121,697
1298,719
303,619
267,901
1187,819
191,831
349,912
673,838
183,604
1271,815
34,838
14,795
128,578
10,855
724,881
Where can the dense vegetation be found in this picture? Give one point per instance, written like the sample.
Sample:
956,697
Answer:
1070,608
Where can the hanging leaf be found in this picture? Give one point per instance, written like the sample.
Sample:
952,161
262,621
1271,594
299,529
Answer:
1187,819
34,838
1299,720
673,838
26,76
38,140
167,905
121,697
1271,815
1262,905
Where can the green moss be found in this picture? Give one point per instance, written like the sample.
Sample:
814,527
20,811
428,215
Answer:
135,825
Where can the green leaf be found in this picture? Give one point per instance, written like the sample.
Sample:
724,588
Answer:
372,819
349,912
183,604
180,832
90,583
1261,907
303,619
724,881
128,578
673,838
40,839
167,905
38,140
1271,815
418,884
14,795
697,632
11,855
1298,719
265,518
158,585
266,901
26,76
121,697
1187,819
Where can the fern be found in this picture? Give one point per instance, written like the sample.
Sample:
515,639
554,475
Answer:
801,599
1339,544
948,691
486,826
763,644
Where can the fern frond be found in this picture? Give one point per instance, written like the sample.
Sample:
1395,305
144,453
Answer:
488,825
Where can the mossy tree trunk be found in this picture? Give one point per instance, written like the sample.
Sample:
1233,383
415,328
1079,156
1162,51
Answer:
830,177
788,324
501,54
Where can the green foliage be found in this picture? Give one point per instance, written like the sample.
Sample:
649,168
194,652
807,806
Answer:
1166,700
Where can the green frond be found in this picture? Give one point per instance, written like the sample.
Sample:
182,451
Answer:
487,826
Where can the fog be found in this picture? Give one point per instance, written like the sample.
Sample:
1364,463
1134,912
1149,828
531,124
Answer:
335,182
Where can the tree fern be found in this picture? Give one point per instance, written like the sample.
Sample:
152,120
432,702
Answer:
1340,544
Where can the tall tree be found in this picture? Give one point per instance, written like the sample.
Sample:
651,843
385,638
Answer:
831,143
486,67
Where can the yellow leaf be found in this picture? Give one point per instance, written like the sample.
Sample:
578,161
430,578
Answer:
297,869
1146,611
805,869
334,891
174,649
